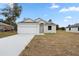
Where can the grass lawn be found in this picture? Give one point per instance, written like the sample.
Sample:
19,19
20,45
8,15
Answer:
4,34
59,44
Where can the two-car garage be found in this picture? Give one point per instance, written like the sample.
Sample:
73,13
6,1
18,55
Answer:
28,28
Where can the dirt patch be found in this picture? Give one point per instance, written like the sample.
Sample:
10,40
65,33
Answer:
59,44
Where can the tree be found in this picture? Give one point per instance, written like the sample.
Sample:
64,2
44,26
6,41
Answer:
50,20
11,13
57,27
62,28
1,20
16,11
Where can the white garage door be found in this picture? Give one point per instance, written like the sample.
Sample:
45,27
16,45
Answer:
29,29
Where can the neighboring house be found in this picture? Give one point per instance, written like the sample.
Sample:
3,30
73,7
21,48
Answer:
37,26
5,27
73,28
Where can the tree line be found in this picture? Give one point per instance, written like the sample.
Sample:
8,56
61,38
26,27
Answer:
59,28
11,13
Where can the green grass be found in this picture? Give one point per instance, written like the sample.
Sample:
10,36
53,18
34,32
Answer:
5,34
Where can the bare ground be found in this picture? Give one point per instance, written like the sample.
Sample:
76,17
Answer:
5,34
59,44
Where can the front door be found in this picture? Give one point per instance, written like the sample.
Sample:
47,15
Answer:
41,28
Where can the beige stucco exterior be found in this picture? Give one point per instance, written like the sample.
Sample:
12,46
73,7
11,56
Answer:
50,31
36,28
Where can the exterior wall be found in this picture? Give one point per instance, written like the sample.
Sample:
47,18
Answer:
28,28
1,28
6,28
72,30
67,29
34,28
41,22
49,31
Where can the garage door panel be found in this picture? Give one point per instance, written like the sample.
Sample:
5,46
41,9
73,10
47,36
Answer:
28,26
30,29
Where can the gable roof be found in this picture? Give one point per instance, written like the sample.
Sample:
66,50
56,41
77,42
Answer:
4,24
27,20
50,23
72,26
37,20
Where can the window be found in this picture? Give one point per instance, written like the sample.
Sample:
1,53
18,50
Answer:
49,27
69,28
78,28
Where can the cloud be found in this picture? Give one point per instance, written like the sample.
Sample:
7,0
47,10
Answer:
69,9
68,17
66,20
53,6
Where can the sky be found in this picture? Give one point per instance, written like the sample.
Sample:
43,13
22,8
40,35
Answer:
62,14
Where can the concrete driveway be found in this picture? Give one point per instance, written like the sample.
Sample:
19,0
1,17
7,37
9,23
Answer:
13,45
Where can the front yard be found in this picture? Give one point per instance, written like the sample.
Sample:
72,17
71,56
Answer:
61,43
5,34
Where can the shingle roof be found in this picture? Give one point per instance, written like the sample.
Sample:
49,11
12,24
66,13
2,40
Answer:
3,24
75,25
36,21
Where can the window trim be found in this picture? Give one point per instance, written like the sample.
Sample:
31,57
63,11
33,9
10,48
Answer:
78,28
49,27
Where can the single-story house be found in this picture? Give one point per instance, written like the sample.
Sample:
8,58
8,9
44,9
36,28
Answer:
37,26
5,27
73,28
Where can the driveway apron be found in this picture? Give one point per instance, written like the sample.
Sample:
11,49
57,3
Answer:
13,45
